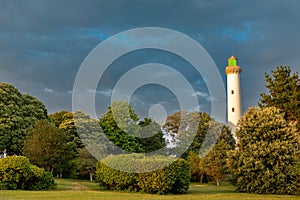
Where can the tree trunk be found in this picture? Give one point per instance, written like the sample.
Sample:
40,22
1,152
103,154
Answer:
201,178
91,177
218,182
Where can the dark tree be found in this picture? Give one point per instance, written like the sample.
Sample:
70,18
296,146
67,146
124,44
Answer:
48,147
18,112
155,139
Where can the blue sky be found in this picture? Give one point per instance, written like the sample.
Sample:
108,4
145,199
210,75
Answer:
43,43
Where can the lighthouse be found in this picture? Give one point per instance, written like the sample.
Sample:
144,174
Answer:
234,106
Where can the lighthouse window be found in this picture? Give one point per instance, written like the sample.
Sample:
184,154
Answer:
232,91
232,109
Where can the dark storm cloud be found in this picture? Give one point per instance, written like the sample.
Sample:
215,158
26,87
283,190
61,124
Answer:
43,43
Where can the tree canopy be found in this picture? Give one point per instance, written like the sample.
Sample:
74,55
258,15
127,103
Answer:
195,132
284,93
265,160
18,112
48,147
127,132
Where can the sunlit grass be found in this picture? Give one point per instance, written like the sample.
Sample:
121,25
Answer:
81,190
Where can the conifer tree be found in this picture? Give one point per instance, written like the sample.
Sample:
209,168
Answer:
284,93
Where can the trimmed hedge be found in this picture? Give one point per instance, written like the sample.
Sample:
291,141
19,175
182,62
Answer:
175,178
16,172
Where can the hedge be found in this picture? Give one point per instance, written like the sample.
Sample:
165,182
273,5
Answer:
175,178
17,173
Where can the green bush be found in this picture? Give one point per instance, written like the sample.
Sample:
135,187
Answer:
18,173
175,178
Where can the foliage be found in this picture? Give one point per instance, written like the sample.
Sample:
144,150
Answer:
187,130
18,112
48,147
265,160
197,171
86,164
152,137
197,131
115,134
212,164
171,179
67,124
83,132
122,127
90,133
284,93
58,117
19,173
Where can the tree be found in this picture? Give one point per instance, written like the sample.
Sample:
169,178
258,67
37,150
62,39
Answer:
83,132
153,136
212,162
119,124
67,124
48,147
284,93
58,117
198,172
86,163
122,127
265,160
18,112
187,131
195,131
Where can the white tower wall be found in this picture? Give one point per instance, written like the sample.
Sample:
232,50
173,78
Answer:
234,105
233,99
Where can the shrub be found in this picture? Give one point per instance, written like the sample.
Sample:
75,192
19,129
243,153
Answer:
19,173
175,178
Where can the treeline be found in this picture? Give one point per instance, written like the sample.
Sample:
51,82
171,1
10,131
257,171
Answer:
68,144
62,142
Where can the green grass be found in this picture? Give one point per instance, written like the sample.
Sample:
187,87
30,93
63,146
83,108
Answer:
81,190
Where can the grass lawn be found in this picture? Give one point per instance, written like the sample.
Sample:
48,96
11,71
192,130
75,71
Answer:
74,189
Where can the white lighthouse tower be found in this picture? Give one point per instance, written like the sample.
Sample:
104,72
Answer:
234,107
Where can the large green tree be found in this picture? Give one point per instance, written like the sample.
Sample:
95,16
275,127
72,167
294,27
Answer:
126,131
265,160
18,112
117,135
48,147
284,93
